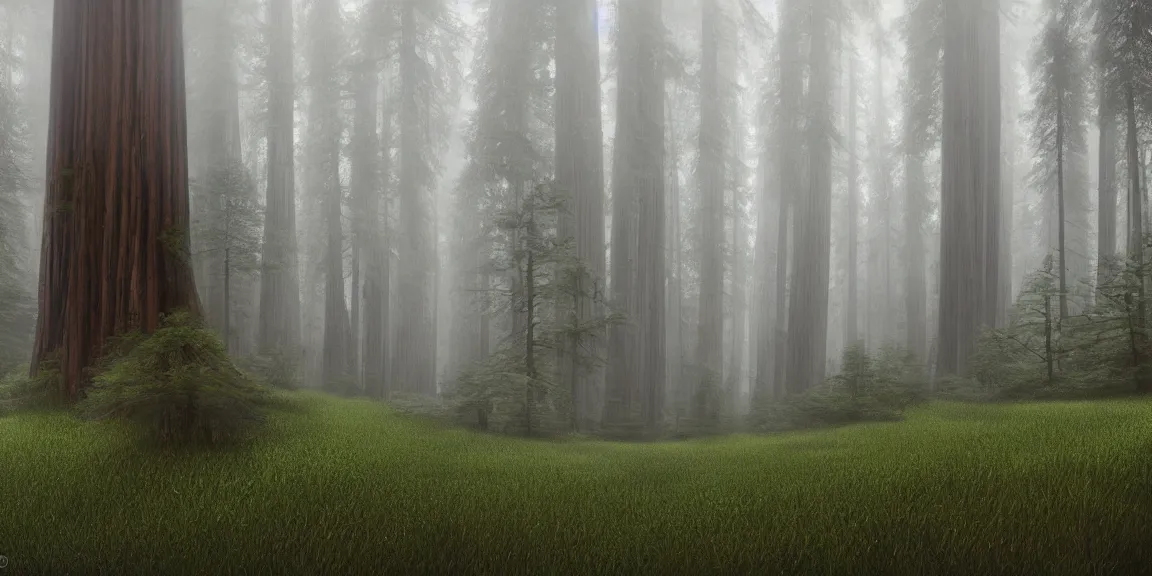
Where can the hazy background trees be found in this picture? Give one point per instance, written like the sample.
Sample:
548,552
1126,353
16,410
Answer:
689,208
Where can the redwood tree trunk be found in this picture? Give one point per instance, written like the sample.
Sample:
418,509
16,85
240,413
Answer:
851,301
580,175
115,253
620,377
369,188
808,311
970,193
279,277
710,171
651,372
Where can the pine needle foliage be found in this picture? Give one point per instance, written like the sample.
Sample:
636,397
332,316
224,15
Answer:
20,392
177,386
874,386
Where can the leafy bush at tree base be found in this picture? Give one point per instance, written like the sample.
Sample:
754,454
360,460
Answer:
178,386
19,391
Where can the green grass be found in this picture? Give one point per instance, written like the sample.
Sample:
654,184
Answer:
349,487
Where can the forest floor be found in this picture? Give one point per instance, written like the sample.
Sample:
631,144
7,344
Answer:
350,487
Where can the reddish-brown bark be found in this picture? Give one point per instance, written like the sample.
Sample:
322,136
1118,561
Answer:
115,244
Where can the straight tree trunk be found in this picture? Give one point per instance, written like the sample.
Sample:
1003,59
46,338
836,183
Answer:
1060,207
366,191
739,280
622,368
1135,210
791,180
324,137
916,289
713,130
880,286
580,175
676,285
415,351
1106,213
808,313
378,294
970,197
768,197
851,305
649,186
988,154
1010,100
116,251
279,332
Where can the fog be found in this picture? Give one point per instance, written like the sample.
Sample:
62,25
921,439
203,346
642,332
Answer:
649,213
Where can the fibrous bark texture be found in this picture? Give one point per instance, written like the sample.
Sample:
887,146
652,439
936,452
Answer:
808,312
115,252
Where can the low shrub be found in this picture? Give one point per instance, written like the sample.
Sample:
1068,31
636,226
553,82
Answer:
177,386
495,395
344,386
874,387
276,370
19,391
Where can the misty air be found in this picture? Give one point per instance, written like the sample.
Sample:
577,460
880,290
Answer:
503,287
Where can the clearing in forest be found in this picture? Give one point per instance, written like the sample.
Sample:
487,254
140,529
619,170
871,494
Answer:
350,487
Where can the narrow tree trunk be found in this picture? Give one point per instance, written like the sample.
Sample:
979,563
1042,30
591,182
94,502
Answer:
580,175
367,189
1106,212
791,181
650,285
115,252
354,312
768,197
221,152
228,345
621,373
880,265
1049,355
1010,91
916,289
676,286
851,305
279,332
415,350
324,135
530,320
379,294
1135,209
988,153
713,130
739,279
1063,247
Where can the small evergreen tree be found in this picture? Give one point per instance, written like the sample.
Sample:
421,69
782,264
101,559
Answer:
517,386
236,238
1025,353
1059,135
17,300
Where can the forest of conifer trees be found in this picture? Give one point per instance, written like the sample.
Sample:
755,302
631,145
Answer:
634,215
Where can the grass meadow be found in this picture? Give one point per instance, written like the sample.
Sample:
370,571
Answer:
351,487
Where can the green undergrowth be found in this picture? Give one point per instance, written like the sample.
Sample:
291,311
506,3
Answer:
177,386
352,487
